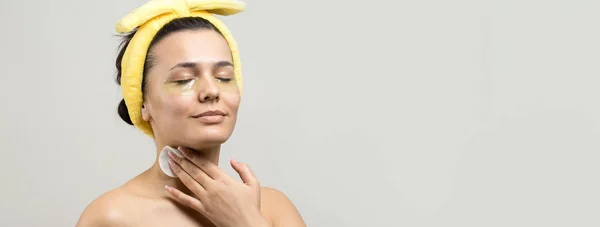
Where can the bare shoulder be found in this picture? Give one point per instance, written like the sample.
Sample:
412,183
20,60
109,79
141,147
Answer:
280,208
109,209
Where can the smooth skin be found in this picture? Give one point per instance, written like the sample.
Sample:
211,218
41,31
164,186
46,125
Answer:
203,194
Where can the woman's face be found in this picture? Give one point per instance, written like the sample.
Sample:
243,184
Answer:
191,97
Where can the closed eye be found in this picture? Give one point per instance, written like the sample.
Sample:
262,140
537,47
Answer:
224,79
183,82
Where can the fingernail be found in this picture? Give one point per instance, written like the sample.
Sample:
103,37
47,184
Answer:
173,155
183,150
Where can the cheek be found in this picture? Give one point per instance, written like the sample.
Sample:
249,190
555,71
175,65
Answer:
168,108
232,101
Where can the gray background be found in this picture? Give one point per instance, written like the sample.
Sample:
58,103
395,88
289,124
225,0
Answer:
365,113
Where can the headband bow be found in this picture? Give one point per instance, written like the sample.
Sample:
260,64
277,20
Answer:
149,19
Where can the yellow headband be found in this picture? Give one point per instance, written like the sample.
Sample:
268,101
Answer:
150,18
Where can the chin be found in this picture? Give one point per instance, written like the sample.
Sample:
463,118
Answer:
208,137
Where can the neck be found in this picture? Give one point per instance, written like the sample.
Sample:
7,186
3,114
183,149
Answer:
156,179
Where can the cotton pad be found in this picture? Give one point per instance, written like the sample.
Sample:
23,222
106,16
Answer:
163,160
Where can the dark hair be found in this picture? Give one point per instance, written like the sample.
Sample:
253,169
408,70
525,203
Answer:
180,24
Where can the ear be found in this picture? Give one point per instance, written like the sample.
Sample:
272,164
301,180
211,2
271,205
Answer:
145,112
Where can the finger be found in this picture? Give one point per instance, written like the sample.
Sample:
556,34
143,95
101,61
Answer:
192,170
185,199
245,173
194,186
204,164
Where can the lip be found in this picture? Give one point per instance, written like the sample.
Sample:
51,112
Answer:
211,116
210,113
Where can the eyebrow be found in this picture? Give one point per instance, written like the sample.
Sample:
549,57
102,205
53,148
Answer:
193,65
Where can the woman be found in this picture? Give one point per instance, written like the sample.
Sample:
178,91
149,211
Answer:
180,73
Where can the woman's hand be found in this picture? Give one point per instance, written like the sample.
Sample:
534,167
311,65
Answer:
223,200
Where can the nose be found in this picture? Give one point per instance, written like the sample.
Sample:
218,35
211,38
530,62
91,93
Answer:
209,91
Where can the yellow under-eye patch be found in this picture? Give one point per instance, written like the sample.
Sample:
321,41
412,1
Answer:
193,85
